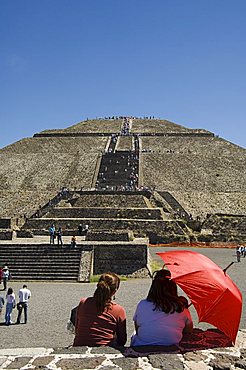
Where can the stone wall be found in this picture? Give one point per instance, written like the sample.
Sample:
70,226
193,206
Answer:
127,213
203,350
224,228
116,235
164,227
5,223
124,259
6,234
115,200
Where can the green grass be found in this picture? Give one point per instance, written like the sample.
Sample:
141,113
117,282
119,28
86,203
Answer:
154,265
95,278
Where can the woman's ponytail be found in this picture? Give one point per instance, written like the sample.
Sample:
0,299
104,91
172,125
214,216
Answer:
106,287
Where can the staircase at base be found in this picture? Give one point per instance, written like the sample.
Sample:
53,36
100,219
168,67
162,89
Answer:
41,262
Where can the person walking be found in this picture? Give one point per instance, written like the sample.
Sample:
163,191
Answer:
10,304
24,296
238,253
5,276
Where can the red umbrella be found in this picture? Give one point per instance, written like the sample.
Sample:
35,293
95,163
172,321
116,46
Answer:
216,298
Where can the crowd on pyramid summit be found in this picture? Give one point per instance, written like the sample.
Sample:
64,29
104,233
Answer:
123,117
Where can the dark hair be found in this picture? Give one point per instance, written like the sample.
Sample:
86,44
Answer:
24,286
10,291
108,283
164,293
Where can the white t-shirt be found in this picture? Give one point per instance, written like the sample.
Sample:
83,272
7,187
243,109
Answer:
10,298
5,274
24,295
157,327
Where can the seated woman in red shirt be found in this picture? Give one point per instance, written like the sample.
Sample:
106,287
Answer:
99,321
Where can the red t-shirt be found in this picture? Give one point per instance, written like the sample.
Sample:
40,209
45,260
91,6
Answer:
93,329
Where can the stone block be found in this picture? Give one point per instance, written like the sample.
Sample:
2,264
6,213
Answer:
42,361
126,363
106,350
6,234
5,223
166,362
70,350
80,363
19,362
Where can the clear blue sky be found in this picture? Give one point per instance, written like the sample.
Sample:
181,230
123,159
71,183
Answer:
62,61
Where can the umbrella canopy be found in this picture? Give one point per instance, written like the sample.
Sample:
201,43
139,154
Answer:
216,298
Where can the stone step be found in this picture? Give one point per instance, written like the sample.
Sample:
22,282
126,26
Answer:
27,254
36,264
38,270
41,262
32,276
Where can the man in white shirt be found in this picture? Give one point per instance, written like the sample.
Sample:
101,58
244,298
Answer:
5,276
24,295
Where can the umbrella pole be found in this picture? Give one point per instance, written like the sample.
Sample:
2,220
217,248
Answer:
227,267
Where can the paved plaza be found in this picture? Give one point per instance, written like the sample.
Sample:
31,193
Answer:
50,304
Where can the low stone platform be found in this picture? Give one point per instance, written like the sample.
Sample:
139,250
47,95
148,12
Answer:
202,350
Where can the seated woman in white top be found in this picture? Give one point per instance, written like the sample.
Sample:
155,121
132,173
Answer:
163,317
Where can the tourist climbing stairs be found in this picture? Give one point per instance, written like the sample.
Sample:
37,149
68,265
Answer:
118,171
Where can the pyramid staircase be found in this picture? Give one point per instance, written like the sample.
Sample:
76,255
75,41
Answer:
43,262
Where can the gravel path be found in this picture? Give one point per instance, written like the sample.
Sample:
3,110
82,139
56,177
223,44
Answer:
51,303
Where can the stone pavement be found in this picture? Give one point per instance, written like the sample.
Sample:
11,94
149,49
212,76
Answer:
199,351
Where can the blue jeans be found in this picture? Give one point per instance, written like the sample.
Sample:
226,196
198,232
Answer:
52,238
9,308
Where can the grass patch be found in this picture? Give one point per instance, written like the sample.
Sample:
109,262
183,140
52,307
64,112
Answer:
95,278
155,265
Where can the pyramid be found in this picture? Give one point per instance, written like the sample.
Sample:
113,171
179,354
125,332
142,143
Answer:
194,172
134,182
